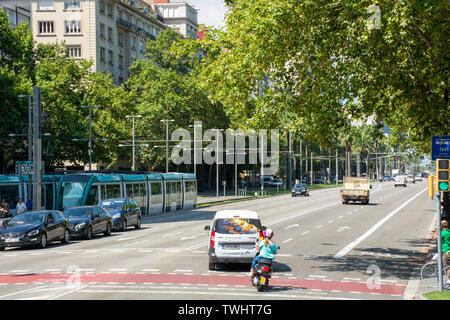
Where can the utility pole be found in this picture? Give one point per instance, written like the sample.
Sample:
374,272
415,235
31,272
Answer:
90,134
167,142
134,146
37,149
30,138
301,162
337,169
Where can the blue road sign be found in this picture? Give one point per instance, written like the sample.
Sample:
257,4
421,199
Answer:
440,147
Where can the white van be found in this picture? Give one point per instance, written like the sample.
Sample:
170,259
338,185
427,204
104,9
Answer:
400,181
233,236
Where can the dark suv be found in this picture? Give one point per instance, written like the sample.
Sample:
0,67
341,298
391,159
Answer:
87,221
124,211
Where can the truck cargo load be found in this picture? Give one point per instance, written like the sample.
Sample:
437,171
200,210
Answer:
355,189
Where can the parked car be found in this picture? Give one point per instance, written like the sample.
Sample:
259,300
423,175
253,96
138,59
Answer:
400,181
87,221
410,179
300,189
35,228
233,235
276,183
387,178
125,212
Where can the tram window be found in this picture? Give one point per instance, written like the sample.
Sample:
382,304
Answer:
139,194
156,197
129,188
92,198
190,190
112,191
47,196
11,194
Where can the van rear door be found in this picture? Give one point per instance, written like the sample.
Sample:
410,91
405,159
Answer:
236,237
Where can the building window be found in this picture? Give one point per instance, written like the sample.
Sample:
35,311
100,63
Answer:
110,34
102,30
102,54
109,9
46,27
120,61
73,4
110,57
102,7
73,27
120,39
133,42
45,5
73,51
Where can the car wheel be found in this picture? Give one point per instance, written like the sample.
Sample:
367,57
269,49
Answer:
108,229
138,225
66,237
89,232
43,241
2,248
211,266
124,225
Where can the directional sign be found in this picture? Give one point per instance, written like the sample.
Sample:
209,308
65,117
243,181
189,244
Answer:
440,147
24,167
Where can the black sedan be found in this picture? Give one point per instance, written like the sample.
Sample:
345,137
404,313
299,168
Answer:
125,212
87,221
300,189
35,228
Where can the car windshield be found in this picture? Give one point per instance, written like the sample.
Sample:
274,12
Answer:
299,185
237,226
112,204
27,218
77,212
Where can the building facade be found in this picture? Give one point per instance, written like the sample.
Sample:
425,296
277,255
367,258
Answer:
112,33
180,16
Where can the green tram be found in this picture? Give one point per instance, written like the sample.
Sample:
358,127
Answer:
13,187
155,192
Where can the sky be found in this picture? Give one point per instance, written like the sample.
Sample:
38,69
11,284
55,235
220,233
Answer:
211,12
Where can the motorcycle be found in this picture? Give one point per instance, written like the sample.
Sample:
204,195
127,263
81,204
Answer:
263,272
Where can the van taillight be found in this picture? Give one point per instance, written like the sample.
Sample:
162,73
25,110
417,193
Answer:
213,237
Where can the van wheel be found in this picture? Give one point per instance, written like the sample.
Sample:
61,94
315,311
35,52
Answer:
124,225
138,225
211,266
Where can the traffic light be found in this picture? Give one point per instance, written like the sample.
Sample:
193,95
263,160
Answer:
442,175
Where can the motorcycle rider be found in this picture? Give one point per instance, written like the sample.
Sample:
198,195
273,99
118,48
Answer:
267,249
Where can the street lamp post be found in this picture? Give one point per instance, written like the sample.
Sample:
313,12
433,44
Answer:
90,134
134,146
167,142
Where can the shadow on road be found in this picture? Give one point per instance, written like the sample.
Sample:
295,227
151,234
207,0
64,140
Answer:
398,263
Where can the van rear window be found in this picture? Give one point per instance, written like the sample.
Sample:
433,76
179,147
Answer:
237,226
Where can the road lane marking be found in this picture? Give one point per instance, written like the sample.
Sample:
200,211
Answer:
306,232
286,241
357,241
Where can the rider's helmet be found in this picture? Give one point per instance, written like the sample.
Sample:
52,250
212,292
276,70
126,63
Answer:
268,233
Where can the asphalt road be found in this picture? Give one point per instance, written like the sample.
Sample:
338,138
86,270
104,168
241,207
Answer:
329,251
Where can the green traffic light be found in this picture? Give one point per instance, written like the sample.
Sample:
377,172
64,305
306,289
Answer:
443,186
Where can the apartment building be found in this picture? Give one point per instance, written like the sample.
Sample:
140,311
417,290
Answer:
178,15
18,11
110,32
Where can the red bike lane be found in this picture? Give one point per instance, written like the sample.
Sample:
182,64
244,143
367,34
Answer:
230,280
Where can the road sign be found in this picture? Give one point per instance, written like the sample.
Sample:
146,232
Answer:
24,167
440,147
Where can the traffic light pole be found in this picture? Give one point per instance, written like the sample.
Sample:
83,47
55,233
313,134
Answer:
37,149
439,244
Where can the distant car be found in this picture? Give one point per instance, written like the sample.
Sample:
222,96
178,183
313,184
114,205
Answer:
300,189
418,177
87,221
410,179
125,212
35,228
276,182
400,181
387,178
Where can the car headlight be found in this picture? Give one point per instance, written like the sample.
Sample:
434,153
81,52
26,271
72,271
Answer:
80,226
116,216
33,233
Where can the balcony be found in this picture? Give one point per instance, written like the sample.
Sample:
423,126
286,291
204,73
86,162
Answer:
124,23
